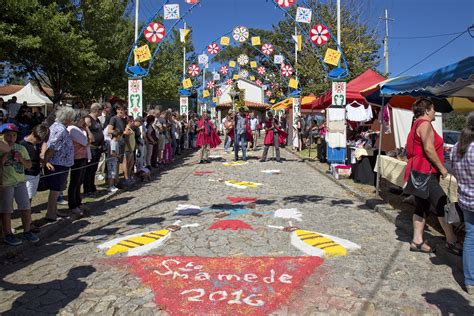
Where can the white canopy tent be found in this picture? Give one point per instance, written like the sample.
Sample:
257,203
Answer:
31,95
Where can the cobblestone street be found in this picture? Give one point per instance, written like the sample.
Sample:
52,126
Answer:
68,274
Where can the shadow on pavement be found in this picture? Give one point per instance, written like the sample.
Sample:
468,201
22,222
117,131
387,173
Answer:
49,297
449,302
146,221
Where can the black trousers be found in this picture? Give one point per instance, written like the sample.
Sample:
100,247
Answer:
91,170
75,182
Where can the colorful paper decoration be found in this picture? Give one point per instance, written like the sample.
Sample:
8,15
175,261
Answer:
142,53
210,84
268,93
240,34
235,77
273,85
252,78
267,49
224,70
256,41
243,59
171,11
253,64
203,59
229,81
231,63
293,83
286,70
298,40
191,1
243,74
182,34
205,93
187,83
285,3
258,82
261,70
225,40
215,100
332,57
278,59
319,34
193,70
303,15
213,48
216,77
154,32
218,92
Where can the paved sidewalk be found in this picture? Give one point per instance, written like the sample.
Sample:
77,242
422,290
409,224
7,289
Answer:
70,275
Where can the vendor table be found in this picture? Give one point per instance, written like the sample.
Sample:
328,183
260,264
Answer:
393,170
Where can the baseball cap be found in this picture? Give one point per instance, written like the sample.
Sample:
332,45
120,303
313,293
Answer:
8,127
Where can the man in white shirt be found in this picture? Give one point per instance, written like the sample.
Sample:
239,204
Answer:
253,128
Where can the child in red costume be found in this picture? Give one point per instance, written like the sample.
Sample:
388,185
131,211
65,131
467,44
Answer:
207,137
274,136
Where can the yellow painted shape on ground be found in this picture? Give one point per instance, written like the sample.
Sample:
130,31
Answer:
235,163
243,183
137,241
330,247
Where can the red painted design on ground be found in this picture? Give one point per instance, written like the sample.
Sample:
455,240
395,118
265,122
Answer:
240,199
233,224
223,286
200,173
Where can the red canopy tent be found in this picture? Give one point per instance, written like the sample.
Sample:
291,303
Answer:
353,88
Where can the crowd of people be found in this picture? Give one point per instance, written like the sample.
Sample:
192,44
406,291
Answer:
71,149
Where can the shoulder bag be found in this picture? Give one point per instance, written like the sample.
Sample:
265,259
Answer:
452,212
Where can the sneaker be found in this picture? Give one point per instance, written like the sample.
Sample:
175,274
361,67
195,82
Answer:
11,240
77,211
62,202
112,189
31,237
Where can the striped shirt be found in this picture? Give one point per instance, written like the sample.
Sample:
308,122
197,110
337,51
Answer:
464,172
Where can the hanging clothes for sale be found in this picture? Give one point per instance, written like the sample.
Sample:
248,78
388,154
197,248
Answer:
356,112
335,140
336,114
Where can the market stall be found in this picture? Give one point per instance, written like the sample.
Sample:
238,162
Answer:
32,96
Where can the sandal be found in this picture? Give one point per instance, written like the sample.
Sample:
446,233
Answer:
455,248
419,247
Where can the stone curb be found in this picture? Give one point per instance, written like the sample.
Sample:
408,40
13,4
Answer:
7,251
390,214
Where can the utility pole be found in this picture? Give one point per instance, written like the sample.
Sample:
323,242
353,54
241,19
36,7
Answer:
184,52
385,41
338,25
137,5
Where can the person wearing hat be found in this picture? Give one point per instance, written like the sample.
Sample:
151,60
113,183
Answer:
274,136
14,187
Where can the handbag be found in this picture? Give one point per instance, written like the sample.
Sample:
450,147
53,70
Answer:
42,184
418,182
452,212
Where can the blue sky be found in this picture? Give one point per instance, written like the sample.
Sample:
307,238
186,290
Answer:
413,18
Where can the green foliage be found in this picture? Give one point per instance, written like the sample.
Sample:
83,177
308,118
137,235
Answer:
454,121
69,46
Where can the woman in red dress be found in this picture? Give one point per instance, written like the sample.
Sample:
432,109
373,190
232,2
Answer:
207,137
274,136
425,154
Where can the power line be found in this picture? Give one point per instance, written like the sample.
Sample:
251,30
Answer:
433,52
427,36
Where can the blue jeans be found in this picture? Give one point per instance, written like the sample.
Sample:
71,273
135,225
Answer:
468,251
240,141
227,143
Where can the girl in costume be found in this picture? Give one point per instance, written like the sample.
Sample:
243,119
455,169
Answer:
274,136
207,137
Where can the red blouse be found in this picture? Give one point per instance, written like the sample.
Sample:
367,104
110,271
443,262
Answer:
417,158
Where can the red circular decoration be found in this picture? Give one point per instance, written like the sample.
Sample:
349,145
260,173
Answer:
224,70
154,32
193,70
286,70
319,34
210,84
229,81
191,1
213,48
258,82
218,92
267,49
261,70
285,3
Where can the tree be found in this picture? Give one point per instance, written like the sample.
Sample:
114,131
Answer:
69,46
